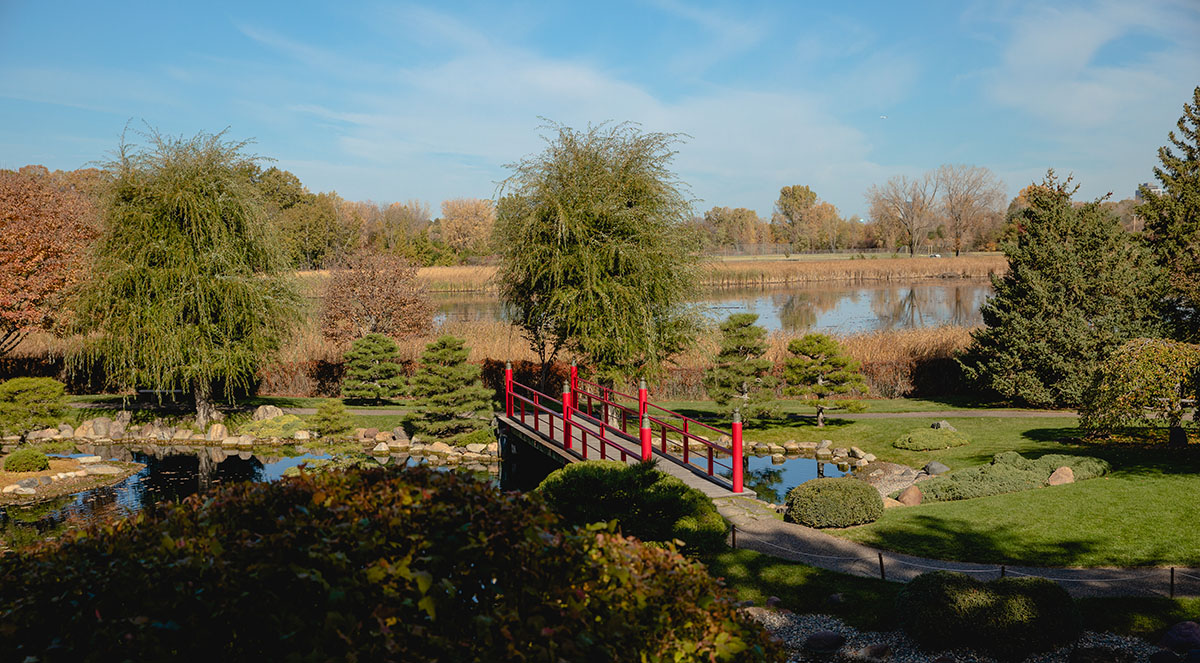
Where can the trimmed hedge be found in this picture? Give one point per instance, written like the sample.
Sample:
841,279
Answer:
1009,472
376,565
833,502
1008,617
283,426
30,403
26,460
648,504
929,439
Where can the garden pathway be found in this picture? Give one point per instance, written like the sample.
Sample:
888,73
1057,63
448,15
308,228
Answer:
758,528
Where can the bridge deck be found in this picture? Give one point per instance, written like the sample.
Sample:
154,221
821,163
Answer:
548,434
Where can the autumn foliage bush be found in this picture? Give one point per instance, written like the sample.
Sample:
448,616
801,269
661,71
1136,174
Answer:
376,565
375,293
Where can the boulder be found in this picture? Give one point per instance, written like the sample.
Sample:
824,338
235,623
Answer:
102,469
217,432
870,458
83,430
1061,476
791,447
824,642
89,460
302,435
100,427
824,452
182,434
825,444
31,482
806,446
761,448
476,448
778,459
1182,637
777,449
934,467
440,448
23,491
399,434
855,452
9,488
370,433
889,503
875,653
943,425
861,462
384,436
841,451
123,418
493,447
910,496
65,430
382,447
266,412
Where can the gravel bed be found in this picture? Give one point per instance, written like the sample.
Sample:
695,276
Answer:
793,629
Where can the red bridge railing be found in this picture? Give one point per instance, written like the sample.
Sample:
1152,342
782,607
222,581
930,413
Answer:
676,437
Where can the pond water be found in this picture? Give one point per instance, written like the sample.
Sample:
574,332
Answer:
837,308
771,480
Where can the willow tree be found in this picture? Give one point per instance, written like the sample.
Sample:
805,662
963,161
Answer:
597,257
188,290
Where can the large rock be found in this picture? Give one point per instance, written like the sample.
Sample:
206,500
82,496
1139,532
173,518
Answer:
889,503
266,412
855,452
1061,476
302,435
65,430
382,447
182,434
934,467
401,436
217,432
943,425
100,427
369,434
31,482
89,460
1182,637
910,496
84,429
824,642
384,436
440,448
102,469
476,448
825,444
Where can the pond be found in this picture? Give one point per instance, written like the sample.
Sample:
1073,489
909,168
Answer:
772,479
835,308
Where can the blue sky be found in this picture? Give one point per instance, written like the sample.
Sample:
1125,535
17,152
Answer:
399,101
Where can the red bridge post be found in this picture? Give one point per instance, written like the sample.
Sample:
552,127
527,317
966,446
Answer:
737,451
566,403
647,443
508,389
574,385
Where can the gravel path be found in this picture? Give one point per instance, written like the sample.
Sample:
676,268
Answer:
757,528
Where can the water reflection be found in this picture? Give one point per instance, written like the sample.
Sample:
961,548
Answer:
771,480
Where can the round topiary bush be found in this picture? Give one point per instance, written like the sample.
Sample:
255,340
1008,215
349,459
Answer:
833,502
26,460
930,439
648,504
1009,617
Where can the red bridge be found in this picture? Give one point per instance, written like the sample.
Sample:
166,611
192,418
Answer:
589,421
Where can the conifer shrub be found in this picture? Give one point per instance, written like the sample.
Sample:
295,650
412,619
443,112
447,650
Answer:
373,370
26,460
1007,617
648,504
1009,472
740,377
820,368
30,403
282,426
331,420
453,399
367,565
833,502
929,439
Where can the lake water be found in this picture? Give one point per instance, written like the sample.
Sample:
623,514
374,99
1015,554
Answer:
832,308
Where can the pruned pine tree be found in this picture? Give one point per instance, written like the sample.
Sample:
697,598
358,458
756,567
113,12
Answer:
373,370
740,377
189,288
1173,221
453,399
1077,287
820,368
331,420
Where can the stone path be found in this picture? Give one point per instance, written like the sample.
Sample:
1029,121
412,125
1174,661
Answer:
758,528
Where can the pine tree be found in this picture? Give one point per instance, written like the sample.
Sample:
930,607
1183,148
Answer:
455,402
373,371
1076,288
1173,221
819,368
739,375
331,420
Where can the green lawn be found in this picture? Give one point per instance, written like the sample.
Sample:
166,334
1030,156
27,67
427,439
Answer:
709,409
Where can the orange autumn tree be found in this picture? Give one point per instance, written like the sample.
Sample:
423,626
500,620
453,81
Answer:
46,228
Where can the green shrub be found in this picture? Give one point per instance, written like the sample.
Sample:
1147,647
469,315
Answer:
648,504
481,436
29,404
373,370
453,399
1009,472
331,420
929,439
282,426
833,502
26,460
1009,617
378,565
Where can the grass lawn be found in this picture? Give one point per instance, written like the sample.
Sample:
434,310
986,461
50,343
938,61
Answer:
868,602
709,409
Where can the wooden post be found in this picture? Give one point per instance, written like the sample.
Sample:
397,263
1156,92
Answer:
1002,571
882,575
566,412
736,461
508,389
1172,582
733,536
644,436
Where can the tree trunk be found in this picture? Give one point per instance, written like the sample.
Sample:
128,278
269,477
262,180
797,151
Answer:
820,416
204,404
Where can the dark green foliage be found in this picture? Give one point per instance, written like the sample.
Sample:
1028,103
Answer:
647,504
481,436
1077,287
189,287
331,420
283,426
375,565
29,404
1173,221
819,367
1146,382
928,439
454,400
1009,472
739,376
373,370
596,252
833,502
26,460
1008,617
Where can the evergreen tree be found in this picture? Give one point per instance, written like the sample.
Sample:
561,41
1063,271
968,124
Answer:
373,371
454,400
818,367
1077,286
739,375
1173,221
331,420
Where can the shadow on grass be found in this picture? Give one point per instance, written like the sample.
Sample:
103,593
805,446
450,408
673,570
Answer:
1125,458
